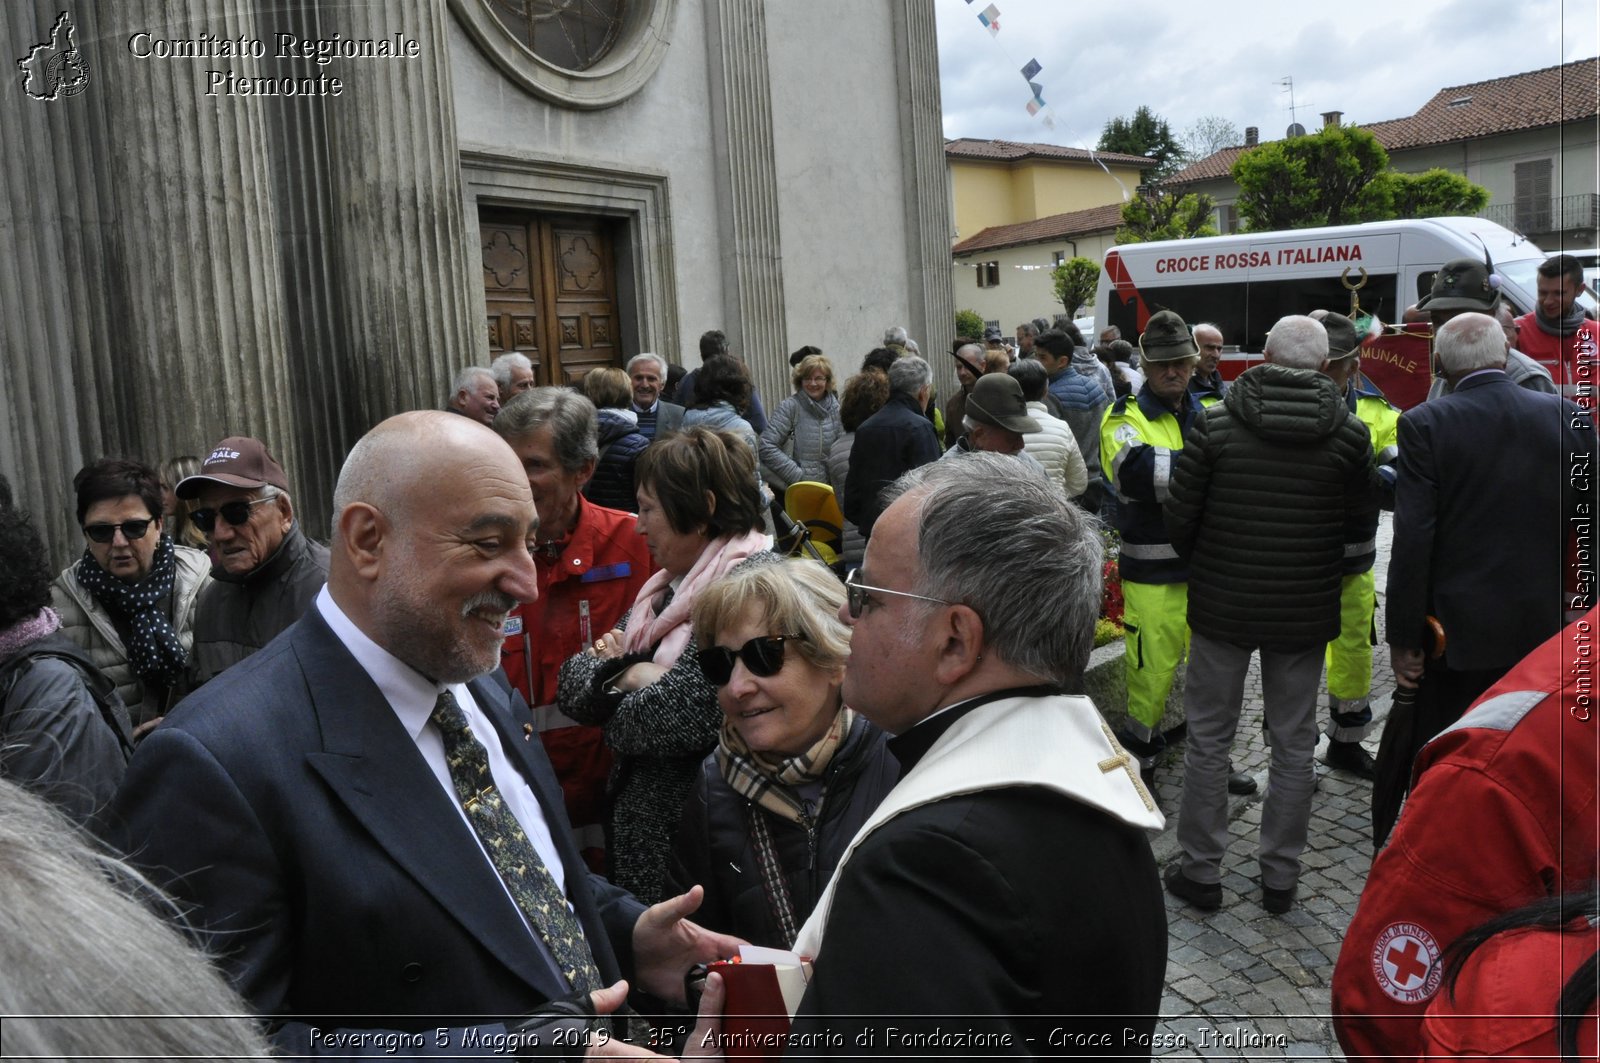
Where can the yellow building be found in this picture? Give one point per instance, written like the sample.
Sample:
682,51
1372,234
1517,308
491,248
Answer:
1003,182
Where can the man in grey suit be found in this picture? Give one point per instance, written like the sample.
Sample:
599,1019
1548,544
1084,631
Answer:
657,417
358,819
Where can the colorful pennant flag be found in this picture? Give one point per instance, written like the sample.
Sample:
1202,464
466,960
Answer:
1034,105
1038,89
1031,71
990,17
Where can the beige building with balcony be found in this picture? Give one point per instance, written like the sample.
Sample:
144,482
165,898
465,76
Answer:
1020,209
1531,139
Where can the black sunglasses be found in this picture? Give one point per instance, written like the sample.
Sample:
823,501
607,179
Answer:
763,655
131,530
235,513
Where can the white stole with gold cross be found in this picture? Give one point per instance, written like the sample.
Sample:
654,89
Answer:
1059,743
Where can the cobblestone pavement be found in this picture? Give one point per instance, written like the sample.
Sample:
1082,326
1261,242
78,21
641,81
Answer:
1243,984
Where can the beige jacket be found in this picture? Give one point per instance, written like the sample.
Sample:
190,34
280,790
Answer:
85,621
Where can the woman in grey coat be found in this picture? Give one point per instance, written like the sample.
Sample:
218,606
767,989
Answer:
804,427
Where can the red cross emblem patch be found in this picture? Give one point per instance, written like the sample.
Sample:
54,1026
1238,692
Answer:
1405,961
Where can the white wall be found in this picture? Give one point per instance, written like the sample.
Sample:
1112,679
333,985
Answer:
1021,295
841,183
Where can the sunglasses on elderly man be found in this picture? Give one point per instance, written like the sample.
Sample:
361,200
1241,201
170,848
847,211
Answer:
762,656
235,513
131,530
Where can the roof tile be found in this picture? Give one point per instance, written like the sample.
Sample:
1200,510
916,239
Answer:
1532,100
1014,151
1055,226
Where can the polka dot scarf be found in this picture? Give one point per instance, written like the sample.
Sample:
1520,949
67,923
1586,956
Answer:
153,648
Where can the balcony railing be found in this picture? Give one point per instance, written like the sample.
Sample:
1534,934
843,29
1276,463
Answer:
1556,214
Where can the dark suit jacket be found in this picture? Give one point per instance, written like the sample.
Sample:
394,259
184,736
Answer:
669,418
1014,911
1488,481
286,804
893,441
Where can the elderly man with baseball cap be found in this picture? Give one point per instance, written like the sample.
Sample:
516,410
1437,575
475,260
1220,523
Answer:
1140,438
265,571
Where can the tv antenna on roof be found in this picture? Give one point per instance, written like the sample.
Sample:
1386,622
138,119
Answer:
1295,128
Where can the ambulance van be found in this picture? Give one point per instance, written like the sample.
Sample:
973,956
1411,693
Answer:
1245,282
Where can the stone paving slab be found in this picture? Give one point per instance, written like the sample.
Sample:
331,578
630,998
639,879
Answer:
1243,984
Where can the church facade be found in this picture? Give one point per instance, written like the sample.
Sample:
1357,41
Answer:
293,219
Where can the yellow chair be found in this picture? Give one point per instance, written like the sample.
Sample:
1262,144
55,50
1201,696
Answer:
814,508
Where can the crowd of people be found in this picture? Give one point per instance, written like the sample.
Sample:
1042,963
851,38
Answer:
550,720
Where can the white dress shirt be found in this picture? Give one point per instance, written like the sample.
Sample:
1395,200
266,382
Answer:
412,697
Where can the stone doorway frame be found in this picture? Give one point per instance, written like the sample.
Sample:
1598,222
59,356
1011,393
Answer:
647,282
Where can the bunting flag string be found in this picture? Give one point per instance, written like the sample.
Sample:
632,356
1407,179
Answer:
1026,267
1036,106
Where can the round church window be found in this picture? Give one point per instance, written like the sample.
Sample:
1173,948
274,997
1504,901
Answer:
577,53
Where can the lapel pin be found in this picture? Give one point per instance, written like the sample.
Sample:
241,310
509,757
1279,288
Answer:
527,732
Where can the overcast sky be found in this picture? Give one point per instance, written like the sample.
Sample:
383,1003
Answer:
1187,59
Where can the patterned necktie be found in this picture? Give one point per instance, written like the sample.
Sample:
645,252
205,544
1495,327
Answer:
530,882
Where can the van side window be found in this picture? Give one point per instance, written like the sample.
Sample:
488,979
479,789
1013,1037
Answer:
1245,311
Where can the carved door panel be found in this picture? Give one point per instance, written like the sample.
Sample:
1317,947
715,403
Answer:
550,292
582,283
511,286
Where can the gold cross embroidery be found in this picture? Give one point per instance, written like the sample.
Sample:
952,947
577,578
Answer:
1127,764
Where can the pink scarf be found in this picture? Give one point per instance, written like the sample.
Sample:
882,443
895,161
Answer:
671,628
27,632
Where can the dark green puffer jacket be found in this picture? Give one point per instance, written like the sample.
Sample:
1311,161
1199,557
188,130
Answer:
1274,485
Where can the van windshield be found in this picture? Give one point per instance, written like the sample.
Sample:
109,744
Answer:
1523,273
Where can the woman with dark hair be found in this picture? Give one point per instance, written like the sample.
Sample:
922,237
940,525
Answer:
130,599
617,436
864,395
56,739
1521,986
700,513
722,402
795,773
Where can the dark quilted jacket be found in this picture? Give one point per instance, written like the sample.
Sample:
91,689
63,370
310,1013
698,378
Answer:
713,846
1272,484
621,443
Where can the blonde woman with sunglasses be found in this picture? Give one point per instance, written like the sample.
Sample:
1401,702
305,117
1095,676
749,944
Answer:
795,771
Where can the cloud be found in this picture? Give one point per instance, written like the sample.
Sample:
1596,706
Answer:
1371,59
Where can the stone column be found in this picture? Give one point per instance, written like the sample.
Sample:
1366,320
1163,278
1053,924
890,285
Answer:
410,306
741,105
927,198
140,278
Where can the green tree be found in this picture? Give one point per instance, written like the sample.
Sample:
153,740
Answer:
1145,134
1156,214
969,324
1326,178
1435,193
1340,176
1075,281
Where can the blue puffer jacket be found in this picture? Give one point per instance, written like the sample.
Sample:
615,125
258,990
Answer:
1083,402
621,443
